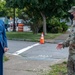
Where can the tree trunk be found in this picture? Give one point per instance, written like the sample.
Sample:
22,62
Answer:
44,23
14,27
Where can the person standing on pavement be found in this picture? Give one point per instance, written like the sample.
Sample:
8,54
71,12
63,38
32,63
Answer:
70,42
3,44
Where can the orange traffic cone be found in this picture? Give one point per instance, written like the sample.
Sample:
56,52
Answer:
42,38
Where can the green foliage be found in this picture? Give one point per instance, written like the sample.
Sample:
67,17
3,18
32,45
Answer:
58,69
54,26
5,58
36,23
64,26
11,3
2,8
45,9
56,29
54,20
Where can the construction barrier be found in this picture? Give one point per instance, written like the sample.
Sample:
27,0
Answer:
42,38
20,27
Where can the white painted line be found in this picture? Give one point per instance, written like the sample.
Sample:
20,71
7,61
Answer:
25,49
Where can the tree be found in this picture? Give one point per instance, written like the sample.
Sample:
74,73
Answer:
2,8
12,4
46,8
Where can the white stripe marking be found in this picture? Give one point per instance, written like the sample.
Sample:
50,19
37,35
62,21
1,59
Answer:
25,49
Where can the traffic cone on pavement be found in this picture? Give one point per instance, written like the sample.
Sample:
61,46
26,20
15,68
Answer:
42,38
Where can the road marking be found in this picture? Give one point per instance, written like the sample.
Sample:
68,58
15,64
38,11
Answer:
25,49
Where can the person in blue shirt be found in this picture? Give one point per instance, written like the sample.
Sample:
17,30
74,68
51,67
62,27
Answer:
3,44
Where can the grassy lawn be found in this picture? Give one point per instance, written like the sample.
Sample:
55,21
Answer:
29,36
58,69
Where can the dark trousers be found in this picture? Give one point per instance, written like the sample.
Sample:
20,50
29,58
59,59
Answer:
1,59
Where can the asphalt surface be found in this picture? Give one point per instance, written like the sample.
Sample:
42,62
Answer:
16,65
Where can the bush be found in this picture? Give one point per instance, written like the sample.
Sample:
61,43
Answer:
56,30
64,26
54,26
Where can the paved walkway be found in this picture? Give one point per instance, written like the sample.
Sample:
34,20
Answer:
17,66
59,38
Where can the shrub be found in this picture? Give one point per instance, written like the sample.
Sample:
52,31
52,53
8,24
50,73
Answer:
56,29
64,26
54,26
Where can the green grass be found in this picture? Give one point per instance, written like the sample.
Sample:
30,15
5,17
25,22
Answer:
29,36
5,58
58,69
